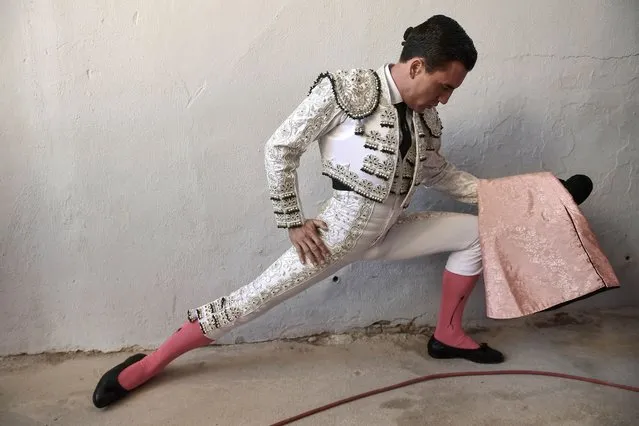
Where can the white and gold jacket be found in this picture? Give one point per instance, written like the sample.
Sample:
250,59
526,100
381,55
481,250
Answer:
351,115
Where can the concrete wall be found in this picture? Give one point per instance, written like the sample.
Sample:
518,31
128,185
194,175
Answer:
131,170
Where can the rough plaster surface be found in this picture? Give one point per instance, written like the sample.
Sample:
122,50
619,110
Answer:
131,175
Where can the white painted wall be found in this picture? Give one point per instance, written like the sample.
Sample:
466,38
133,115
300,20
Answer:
131,171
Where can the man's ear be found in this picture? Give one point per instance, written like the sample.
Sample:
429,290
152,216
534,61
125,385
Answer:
417,66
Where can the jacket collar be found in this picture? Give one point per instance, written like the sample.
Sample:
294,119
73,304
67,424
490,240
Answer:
389,89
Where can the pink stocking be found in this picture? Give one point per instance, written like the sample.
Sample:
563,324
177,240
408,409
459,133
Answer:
187,338
455,293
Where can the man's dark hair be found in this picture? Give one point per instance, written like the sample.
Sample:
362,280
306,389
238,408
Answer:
439,40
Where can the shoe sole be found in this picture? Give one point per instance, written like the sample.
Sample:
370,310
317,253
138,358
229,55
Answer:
446,356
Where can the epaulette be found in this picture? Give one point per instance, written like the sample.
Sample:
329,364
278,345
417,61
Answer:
357,91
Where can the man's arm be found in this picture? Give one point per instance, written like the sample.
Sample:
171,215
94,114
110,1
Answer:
445,177
315,116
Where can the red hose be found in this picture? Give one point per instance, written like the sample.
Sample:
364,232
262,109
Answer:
447,375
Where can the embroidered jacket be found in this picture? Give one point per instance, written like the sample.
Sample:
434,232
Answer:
351,116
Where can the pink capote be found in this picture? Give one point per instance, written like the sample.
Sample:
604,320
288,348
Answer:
538,249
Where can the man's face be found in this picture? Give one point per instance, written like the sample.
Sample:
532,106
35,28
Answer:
427,90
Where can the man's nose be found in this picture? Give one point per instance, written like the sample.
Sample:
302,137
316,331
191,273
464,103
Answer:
444,98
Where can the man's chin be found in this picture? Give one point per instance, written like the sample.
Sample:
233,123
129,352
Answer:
424,109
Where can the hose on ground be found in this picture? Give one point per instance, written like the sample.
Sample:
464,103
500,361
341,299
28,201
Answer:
450,375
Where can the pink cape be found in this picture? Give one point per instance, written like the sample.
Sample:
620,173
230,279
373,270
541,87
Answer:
538,249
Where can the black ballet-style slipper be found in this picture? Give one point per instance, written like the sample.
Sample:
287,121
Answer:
108,389
579,186
482,355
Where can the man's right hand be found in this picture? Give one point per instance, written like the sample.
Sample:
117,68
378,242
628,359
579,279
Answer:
308,242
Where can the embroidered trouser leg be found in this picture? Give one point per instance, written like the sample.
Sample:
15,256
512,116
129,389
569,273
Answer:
354,223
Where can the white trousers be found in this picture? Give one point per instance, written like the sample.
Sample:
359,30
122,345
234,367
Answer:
358,230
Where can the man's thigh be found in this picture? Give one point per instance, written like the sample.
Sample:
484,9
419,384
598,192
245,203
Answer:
426,233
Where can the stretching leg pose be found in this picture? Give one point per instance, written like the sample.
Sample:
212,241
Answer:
379,136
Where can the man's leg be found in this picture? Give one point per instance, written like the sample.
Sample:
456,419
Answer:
285,278
347,217
427,233
185,339
456,290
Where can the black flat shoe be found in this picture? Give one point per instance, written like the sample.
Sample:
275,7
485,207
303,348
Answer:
482,355
579,186
108,389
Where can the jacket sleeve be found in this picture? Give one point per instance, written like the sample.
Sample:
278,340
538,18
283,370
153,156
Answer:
440,174
456,183
315,116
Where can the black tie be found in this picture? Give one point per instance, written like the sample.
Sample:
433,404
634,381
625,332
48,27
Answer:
403,125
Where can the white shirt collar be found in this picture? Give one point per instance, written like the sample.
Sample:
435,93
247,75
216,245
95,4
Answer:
395,96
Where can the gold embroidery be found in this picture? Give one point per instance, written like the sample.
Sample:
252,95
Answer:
373,140
381,168
352,180
285,206
286,273
357,91
388,117
386,143
432,121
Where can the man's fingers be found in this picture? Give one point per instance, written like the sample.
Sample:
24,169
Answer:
317,253
320,244
312,251
308,253
316,244
311,246
320,224
300,253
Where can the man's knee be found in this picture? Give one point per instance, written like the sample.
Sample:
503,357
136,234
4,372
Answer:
470,228
467,261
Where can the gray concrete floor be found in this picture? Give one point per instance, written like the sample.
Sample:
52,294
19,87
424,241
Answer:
258,384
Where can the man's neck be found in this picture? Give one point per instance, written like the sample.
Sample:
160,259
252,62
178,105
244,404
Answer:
396,75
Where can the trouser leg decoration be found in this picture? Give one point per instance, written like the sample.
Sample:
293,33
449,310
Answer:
347,216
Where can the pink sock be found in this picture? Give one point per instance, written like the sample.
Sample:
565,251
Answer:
188,337
455,292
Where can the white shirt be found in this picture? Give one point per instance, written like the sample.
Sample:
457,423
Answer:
396,97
